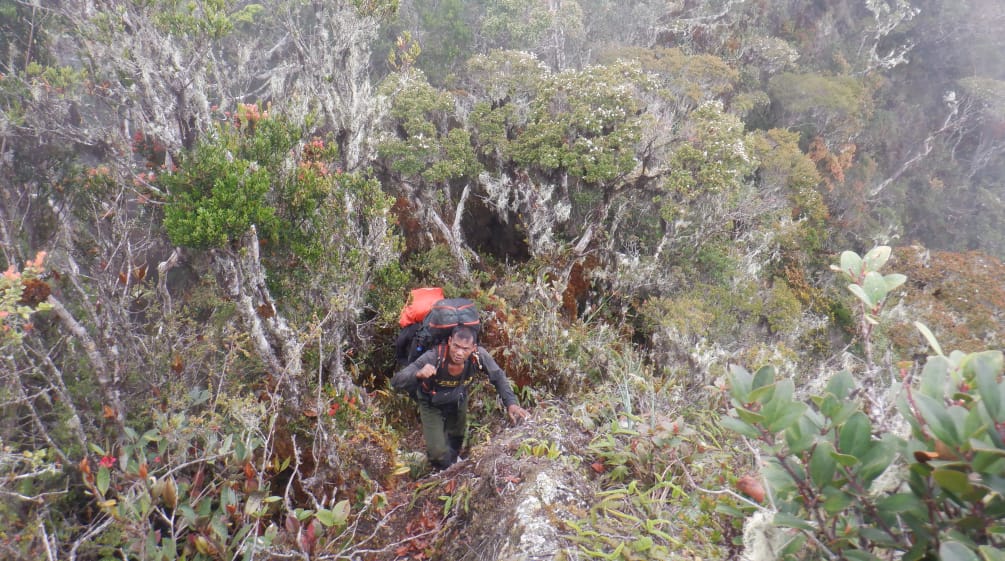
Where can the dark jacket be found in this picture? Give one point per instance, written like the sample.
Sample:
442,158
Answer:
404,381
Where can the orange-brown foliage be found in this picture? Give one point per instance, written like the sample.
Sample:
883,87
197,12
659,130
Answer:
35,292
959,296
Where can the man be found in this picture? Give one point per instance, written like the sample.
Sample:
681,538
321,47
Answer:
439,379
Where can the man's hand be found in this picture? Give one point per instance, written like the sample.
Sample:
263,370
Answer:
517,414
426,372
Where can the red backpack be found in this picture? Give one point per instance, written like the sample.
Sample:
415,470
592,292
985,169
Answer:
438,321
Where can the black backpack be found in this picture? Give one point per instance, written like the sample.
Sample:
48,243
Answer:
441,320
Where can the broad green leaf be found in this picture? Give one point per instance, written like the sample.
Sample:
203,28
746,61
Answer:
326,517
851,264
983,361
858,555
762,394
800,436
878,457
785,416
900,502
989,553
788,521
836,500
990,461
951,480
854,435
893,281
875,287
956,551
739,427
793,546
749,416
846,460
822,465
765,376
104,476
878,537
992,395
841,384
935,376
932,341
938,420
862,295
739,383
877,257
341,512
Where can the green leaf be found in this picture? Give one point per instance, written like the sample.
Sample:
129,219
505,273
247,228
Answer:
855,434
956,551
858,555
893,281
836,501
822,465
935,415
900,502
879,457
765,376
748,416
739,427
800,436
785,416
762,394
326,517
951,480
739,383
846,460
104,477
935,376
841,384
989,553
875,287
986,378
932,341
341,512
877,257
851,264
862,295
784,520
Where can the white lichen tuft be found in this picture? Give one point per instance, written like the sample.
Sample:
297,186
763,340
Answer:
761,538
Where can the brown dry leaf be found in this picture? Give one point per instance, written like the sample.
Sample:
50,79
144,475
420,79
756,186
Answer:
752,487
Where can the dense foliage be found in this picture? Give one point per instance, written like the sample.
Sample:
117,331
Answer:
211,213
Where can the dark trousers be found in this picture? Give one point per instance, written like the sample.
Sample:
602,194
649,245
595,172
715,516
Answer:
443,428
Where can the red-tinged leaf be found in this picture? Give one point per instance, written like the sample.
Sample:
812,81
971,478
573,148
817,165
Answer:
401,551
311,535
598,467
107,412
85,466
143,470
450,486
249,470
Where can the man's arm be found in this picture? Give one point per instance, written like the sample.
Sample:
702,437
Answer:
501,383
406,380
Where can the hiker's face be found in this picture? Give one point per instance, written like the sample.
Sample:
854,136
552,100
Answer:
459,350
